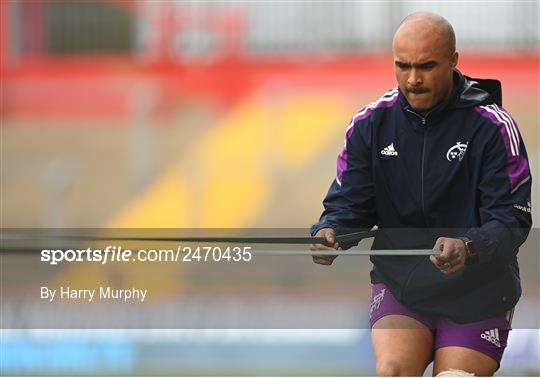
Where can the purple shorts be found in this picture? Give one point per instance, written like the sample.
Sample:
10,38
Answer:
487,336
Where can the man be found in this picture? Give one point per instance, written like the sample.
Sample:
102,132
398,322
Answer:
435,163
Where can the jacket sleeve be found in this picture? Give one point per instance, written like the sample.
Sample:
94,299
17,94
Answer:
504,193
350,202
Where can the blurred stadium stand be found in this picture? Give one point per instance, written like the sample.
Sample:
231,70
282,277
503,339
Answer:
184,29
121,113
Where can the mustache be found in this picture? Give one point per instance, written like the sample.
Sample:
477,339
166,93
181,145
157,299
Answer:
417,90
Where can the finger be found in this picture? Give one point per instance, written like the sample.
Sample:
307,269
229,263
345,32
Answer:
330,237
456,265
320,260
320,247
452,270
323,260
439,244
446,272
437,261
329,234
447,252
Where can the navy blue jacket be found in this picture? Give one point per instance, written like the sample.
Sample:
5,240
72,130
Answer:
461,170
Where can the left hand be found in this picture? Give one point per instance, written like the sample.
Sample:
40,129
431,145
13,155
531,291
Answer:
453,256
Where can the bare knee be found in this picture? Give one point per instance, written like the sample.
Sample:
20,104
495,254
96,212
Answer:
395,368
388,369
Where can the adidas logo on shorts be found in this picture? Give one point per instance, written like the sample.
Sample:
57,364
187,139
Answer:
492,336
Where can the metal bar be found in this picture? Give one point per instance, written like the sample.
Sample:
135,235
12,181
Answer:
351,252
272,252
345,238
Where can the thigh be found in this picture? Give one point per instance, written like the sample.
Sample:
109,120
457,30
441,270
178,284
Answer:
474,347
403,346
465,359
402,339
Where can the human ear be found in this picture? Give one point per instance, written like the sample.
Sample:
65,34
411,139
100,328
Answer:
454,59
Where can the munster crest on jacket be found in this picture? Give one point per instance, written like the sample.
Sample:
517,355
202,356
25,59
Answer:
457,151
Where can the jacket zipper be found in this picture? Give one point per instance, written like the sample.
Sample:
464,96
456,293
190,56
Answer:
423,120
423,158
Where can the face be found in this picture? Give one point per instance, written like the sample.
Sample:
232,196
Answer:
423,68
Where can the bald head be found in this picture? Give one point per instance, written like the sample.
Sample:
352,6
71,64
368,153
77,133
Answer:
426,25
424,49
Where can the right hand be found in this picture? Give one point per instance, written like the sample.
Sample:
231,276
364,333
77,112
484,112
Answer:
330,235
